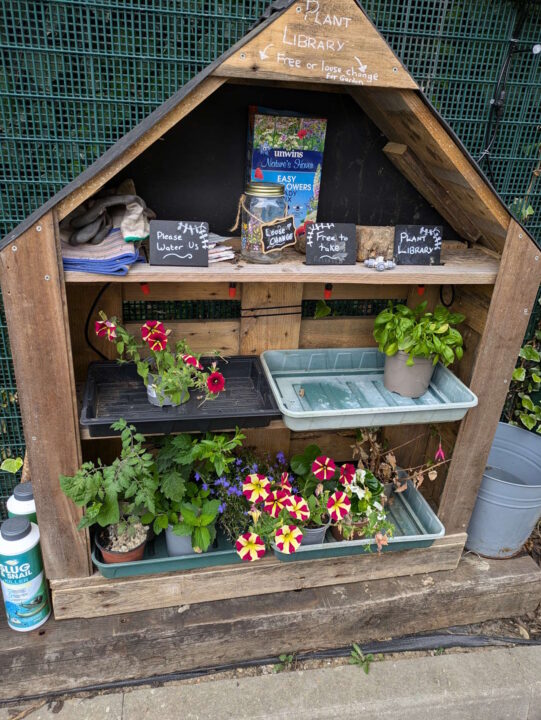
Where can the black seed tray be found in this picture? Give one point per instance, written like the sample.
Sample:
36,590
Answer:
114,391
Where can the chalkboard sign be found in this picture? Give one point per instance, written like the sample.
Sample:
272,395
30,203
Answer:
417,244
331,244
179,242
278,234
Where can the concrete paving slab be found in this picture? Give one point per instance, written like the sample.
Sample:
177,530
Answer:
493,684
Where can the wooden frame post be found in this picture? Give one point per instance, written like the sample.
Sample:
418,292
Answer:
507,319
35,302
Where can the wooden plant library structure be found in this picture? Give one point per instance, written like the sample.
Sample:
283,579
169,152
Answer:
389,159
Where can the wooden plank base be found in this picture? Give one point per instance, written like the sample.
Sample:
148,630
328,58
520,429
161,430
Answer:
96,596
78,653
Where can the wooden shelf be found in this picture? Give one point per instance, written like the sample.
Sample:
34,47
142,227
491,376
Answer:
461,267
273,425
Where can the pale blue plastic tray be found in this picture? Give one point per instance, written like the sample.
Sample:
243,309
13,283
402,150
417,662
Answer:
343,388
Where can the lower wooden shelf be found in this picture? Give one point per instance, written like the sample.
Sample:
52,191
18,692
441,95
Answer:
96,596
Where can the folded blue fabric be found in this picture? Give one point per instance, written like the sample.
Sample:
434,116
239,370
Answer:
113,256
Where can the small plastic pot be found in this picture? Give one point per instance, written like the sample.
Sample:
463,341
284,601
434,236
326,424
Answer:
358,533
313,536
113,556
407,380
178,545
160,400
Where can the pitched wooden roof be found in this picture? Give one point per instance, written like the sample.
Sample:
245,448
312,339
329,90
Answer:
333,43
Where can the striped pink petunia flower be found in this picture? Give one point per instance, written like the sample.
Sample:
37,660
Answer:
157,341
338,505
323,467
256,488
285,482
193,361
347,473
298,508
249,547
151,326
288,539
106,329
276,502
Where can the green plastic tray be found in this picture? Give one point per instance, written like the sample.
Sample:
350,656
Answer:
156,560
416,526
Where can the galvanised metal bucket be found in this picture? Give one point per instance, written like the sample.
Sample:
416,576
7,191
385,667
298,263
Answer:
509,502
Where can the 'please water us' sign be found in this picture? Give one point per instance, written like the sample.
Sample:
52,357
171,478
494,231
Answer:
179,242
417,244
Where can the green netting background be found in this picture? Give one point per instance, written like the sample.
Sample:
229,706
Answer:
78,74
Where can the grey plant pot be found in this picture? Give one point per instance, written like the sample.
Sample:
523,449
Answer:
313,536
409,381
160,400
178,544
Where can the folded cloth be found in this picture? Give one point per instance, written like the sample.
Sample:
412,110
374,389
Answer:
113,256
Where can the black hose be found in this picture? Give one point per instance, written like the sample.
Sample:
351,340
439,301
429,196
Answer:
88,318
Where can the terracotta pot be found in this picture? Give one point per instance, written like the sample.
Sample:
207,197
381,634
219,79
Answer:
358,533
407,380
113,556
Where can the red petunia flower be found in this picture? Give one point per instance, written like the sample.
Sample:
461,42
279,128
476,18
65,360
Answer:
216,382
157,341
276,502
193,361
347,473
151,326
323,467
302,133
106,329
258,174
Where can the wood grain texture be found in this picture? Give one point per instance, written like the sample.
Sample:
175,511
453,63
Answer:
314,291
205,88
338,332
271,317
465,267
329,41
179,291
334,443
202,335
80,299
97,596
406,119
70,654
507,319
35,302
409,165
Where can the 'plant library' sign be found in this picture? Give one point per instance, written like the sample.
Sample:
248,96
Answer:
417,244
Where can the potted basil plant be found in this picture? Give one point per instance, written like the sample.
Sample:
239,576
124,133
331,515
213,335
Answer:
414,341
115,497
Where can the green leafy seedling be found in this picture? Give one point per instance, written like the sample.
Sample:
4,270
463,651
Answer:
286,662
360,659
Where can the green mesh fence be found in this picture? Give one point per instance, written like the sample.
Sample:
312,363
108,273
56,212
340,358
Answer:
78,74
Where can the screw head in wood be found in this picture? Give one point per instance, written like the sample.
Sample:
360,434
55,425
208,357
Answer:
395,69
525,311
243,56
47,277
14,248
38,228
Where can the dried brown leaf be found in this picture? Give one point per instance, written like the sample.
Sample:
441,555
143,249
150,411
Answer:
432,475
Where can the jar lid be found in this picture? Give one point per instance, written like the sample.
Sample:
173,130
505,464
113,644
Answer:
23,492
15,528
265,189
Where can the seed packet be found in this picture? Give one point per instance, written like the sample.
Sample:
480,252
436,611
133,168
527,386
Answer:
287,148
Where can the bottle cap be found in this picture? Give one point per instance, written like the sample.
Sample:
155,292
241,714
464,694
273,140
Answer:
15,528
23,492
265,189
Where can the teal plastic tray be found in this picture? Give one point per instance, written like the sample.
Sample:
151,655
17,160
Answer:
343,388
156,560
416,526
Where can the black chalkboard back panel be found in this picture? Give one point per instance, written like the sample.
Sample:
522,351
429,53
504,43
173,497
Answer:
179,242
417,244
331,244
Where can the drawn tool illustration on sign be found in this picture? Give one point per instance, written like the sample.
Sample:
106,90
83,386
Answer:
417,244
331,244
179,242
278,234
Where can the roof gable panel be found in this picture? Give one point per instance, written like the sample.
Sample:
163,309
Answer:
320,41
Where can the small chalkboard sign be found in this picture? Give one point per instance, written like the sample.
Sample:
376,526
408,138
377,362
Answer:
331,244
417,244
278,234
179,242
